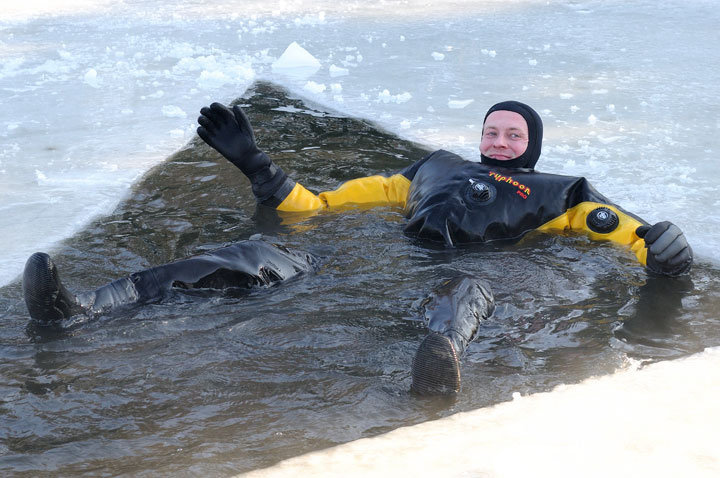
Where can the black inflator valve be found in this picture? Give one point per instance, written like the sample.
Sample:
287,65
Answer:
602,220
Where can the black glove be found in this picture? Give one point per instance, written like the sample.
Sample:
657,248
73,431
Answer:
668,251
230,134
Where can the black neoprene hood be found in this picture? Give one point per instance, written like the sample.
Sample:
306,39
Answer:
535,134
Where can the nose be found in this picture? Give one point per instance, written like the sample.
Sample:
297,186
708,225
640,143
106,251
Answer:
500,141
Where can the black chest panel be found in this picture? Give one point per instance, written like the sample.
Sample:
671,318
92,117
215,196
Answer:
456,201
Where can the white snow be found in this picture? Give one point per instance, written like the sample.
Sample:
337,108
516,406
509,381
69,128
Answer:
459,104
91,78
315,88
627,424
172,111
336,71
296,57
310,19
385,97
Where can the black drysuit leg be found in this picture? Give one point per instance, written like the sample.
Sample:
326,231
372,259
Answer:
245,264
453,313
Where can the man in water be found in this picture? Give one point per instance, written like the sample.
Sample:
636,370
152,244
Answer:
449,199
457,201
445,198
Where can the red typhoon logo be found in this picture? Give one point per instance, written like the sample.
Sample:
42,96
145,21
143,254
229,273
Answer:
523,191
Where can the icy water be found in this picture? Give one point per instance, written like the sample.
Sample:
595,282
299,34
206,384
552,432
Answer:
95,92
219,384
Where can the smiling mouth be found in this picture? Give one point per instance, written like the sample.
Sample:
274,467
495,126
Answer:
501,157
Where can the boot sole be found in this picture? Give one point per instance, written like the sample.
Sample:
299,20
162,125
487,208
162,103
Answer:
435,368
41,289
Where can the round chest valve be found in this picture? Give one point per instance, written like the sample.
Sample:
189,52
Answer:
479,193
602,220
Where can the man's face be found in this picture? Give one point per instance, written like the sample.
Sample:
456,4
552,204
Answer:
505,135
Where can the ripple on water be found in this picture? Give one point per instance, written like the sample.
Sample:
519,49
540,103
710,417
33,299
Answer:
230,382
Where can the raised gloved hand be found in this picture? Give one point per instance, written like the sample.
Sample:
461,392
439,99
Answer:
668,251
229,132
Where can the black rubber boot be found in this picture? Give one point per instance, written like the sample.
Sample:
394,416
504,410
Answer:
48,301
453,314
46,298
436,367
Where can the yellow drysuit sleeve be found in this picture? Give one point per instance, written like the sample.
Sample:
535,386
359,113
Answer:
368,191
575,219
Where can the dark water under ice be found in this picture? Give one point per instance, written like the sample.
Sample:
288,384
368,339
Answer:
218,384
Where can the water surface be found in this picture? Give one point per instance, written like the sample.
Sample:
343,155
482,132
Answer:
218,384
